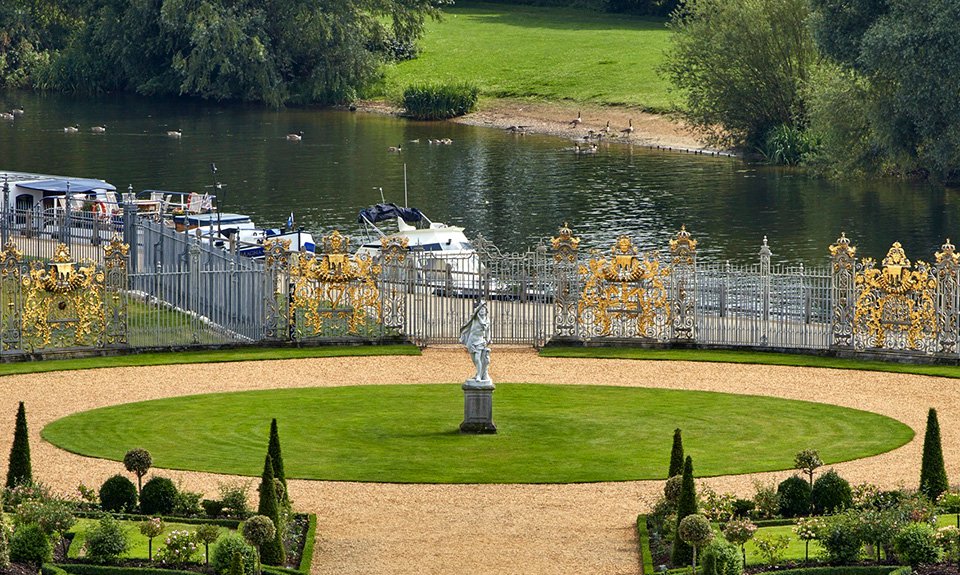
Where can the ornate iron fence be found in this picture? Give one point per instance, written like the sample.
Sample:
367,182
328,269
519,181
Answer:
169,290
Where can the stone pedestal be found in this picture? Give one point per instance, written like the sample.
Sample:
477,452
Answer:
478,407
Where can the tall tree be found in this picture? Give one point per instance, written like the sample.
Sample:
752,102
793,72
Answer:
687,505
276,458
676,455
740,65
271,552
933,474
19,469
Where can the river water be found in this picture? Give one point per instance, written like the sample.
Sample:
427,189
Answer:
511,189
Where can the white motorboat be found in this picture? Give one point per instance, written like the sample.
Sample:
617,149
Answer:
237,231
444,257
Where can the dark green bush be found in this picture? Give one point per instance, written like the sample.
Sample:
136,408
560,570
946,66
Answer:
212,507
224,550
29,544
794,493
18,468
831,493
187,504
158,497
439,101
118,494
916,544
743,507
107,541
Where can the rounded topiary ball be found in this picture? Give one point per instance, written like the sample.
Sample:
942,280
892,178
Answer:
258,530
158,497
671,490
794,495
831,493
695,529
118,494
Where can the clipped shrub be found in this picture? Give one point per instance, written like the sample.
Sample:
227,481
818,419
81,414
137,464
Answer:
793,496
212,507
19,469
933,474
743,507
671,489
682,553
107,541
118,494
831,493
138,461
258,530
916,544
440,101
276,459
223,555
158,496
271,552
724,556
676,455
29,544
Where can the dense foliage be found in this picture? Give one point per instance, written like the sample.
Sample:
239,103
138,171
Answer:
440,101
794,496
29,544
274,51
933,474
223,554
831,493
107,540
682,553
740,65
18,469
916,544
902,58
158,496
118,494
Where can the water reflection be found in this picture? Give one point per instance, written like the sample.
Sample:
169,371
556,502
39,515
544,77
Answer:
511,189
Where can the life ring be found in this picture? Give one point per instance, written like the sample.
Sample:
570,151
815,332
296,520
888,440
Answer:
100,210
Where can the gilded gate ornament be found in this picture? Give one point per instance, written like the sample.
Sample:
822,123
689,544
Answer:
565,245
115,290
683,284
948,282
624,294
895,305
276,276
565,251
11,295
63,303
336,286
843,264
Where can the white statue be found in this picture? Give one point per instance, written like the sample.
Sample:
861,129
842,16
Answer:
475,334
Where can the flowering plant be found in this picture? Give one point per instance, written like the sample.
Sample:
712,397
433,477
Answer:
808,528
181,546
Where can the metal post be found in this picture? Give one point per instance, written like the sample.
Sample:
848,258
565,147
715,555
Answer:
65,233
130,233
765,290
6,211
194,288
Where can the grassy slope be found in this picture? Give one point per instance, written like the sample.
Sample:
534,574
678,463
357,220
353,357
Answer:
410,433
546,53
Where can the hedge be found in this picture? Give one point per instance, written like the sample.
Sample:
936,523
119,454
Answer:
306,559
845,570
220,522
643,539
90,569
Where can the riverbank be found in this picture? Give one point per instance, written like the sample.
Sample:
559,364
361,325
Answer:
657,131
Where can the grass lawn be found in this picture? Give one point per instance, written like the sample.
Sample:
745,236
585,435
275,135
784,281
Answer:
205,356
755,357
409,433
545,53
139,544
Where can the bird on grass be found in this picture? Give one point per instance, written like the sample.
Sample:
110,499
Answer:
6,115
296,137
175,133
576,121
17,111
98,129
629,129
395,149
606,129
72,129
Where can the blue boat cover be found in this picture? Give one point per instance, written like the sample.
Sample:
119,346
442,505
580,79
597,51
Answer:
76,185
382,212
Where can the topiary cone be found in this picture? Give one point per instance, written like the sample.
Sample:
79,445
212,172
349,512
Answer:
276,457
676,455
933,474
271,552
686,505
19,471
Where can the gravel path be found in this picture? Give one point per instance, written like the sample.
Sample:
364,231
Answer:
487,529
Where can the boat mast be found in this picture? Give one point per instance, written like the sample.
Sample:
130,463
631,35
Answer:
405,204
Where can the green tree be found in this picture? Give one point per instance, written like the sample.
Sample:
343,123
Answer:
807,461
18,470
740,65
933,474
695,531
676,455
138,461
150,529
687,505
276,458
271,552
207,533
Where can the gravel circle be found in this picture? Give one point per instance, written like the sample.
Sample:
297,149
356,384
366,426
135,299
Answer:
451,529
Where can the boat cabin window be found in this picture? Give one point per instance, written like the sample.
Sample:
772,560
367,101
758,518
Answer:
23,202
466,245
